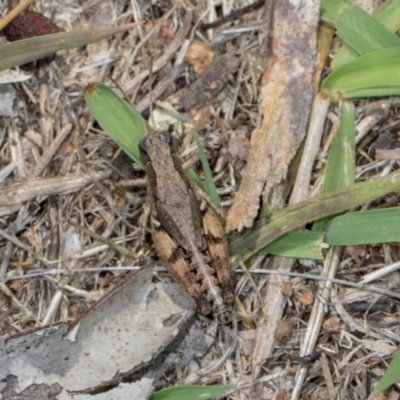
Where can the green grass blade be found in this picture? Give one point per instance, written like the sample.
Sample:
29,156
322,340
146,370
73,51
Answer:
358,29
194,392
27,50
364,227
211,190
297,215
123,123
388,15
297,245
374,74
194,178
340,166
391,376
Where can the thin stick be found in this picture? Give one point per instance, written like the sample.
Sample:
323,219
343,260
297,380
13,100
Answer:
367,288
117,247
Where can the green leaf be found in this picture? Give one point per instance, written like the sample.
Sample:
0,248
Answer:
391,376
388,15
340,166
297,245
211,190
27,50
297,215
371,75
364,227
123,123
193,177
358,29
194,392
358,228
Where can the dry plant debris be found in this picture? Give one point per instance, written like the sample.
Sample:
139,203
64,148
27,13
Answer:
70,219
75,355
29,24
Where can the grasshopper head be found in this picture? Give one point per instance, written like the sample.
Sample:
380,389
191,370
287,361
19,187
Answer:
154,142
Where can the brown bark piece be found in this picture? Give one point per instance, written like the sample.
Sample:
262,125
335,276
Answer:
286,97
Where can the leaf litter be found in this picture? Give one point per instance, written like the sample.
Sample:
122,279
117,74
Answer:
72,318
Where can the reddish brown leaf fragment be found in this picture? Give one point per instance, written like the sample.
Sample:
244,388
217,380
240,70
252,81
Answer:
30,24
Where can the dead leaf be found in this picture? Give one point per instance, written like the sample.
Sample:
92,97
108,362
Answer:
287,289
200,56
15,286
284,332
306,298
238,146
283,394
332,324
120,334
30,24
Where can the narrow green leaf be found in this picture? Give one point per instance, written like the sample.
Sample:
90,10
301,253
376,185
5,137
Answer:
388,15
371,75
123,123
358,29
391,376
194,178
195,392
211,190
297,245
364,227
340,166
297,215
24,51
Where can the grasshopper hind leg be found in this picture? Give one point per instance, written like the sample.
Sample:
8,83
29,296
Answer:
178,268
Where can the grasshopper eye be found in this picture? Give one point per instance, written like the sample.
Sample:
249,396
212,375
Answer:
144,146
166,138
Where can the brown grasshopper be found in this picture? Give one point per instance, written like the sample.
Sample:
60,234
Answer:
190,241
